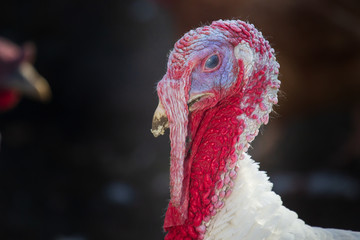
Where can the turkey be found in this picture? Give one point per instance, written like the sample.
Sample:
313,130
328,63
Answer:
17,75
220,86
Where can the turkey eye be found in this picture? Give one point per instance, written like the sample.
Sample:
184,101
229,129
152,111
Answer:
212,62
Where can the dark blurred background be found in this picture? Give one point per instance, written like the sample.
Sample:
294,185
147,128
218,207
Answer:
85,166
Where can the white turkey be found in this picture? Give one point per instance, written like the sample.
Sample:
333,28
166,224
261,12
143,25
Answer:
219,88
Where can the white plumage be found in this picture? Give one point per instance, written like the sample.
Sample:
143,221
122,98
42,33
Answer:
254,211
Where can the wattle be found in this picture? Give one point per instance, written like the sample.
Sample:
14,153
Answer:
212,149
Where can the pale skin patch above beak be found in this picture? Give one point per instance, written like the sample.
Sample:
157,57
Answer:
160,121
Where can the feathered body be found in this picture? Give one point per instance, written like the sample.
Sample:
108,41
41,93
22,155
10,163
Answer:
254,211
220,86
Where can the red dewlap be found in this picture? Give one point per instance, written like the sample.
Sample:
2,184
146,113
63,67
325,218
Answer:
212,146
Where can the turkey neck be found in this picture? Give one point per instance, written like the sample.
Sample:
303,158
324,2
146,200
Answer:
209,164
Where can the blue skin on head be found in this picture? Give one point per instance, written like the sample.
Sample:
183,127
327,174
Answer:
219,78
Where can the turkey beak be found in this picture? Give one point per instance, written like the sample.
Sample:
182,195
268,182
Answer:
160,121
29,82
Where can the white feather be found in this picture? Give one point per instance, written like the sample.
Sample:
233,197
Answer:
254,212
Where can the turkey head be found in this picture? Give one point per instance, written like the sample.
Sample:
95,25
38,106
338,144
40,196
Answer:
220,85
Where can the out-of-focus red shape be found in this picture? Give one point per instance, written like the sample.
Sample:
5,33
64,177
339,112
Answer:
8,99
